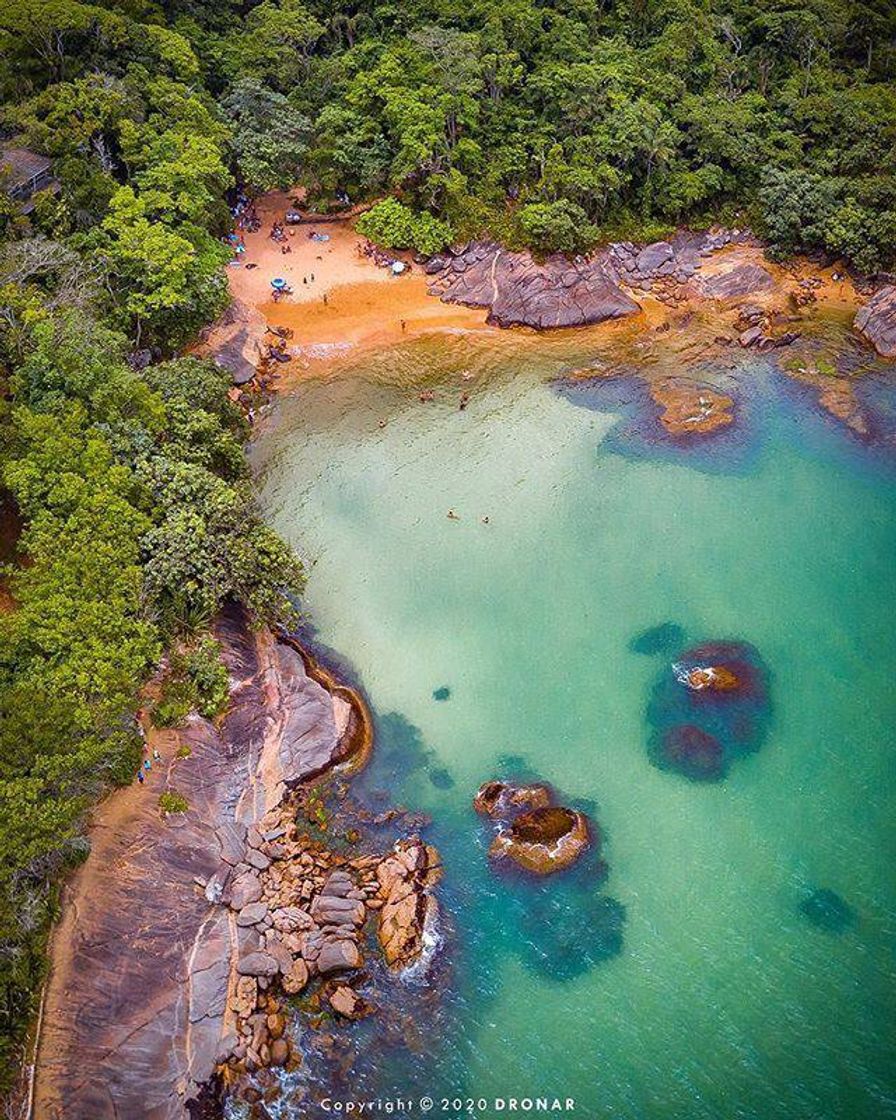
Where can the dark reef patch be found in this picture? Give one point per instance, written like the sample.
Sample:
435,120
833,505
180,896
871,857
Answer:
443,692
566,935
441,778
826,910
665,638
709,707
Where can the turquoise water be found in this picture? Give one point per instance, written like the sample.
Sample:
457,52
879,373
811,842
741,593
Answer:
686,983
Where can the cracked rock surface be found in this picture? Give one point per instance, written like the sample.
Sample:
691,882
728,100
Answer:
137,1008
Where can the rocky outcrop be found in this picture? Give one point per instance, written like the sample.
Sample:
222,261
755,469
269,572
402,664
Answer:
504,799
543,840
689,408
735,281
409,908
533,831
519,291
236,342
876,321
559,292
149,970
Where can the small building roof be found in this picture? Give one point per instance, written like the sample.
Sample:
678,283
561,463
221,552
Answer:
21,165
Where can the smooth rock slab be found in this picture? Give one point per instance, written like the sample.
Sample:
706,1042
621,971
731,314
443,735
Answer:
876,321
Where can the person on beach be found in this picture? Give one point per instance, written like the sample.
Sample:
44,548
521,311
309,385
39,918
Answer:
147,765
404,325
140,777
325,298
155,754
464,401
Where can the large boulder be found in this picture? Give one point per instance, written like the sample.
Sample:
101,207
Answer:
738,280
520,291
543,840
876,321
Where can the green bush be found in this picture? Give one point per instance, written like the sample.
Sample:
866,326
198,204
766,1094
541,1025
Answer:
552,227
197,680
172,802
392,224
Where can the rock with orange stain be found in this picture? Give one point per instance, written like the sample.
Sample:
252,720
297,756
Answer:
543,840
691,409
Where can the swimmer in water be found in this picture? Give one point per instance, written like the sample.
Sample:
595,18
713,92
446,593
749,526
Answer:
452,516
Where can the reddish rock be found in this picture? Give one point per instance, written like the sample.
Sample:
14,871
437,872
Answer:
713,678
502,799
518,291
296,978
876,321
689,408
543,840
338,956
346,1002
406,879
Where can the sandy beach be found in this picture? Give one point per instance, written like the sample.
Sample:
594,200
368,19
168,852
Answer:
340,298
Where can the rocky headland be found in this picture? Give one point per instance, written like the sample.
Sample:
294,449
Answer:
183,936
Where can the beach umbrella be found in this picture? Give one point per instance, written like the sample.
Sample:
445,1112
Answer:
398,267
278,282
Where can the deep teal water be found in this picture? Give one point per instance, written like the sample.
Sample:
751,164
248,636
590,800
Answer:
686,981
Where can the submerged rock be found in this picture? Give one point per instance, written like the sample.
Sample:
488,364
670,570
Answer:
694,753
876,321
828,911
709,707
690,408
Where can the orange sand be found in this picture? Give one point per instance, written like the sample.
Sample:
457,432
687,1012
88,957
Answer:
365,305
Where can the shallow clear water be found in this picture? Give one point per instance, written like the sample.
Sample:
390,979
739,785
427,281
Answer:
687,983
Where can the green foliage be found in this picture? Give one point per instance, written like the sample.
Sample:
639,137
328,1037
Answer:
396,226
173,802
270,135
196,680
561,226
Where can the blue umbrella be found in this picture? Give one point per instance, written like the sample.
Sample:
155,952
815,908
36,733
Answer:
278,282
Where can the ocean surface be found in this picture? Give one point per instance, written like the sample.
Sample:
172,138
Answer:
697,975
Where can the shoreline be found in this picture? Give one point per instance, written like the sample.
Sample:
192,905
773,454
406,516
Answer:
722,280
151,920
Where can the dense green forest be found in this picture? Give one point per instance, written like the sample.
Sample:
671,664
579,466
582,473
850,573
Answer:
553,124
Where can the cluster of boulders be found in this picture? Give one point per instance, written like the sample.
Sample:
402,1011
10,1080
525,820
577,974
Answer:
755,325
305,917
665,268
532,831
